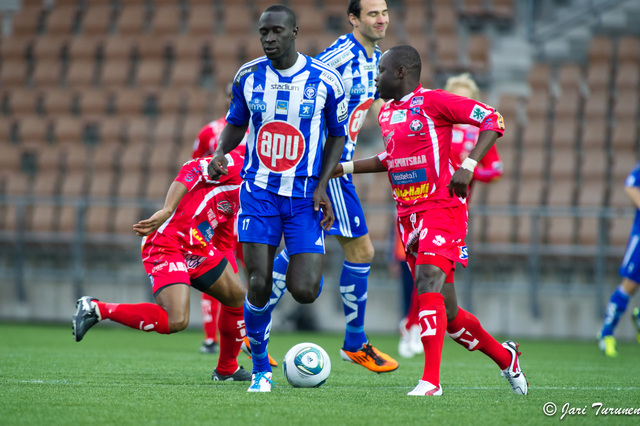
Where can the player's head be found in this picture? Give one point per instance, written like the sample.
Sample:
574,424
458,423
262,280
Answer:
370,18
463,85
398,72
278,31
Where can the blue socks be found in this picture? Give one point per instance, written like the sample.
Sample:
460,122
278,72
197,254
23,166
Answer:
616,307
353,288
279,276
258,324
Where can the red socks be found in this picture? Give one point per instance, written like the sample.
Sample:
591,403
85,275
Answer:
210,312
232,332
433,324
142,316
466,330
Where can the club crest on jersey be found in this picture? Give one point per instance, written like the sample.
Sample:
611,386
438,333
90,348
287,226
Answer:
306,109
418,100
282,107
280,146
399,116
478,113
310,91
257,105
358,89
415,125
225,207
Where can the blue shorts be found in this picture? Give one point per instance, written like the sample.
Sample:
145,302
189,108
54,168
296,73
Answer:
264,217
350,221
631,263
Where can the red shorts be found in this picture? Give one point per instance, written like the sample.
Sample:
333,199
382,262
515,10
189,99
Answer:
167,265
436,237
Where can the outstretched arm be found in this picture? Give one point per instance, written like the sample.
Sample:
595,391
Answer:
333,148
177,190
230,138
461,179
364,165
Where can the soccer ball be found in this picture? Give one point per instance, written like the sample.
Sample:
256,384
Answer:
306,365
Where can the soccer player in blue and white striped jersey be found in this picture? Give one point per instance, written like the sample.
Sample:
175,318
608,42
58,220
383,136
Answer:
355,56
296,111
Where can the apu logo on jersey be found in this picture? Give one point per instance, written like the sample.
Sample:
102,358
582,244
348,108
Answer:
358,89
356,120
280,146
310,91
256,105
415,125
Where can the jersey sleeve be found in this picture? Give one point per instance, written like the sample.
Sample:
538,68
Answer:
202,143
190,174
490,166
384,159
336,109
457,109
239,112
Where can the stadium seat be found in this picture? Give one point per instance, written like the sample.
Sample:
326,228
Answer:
134,156
69,130
124,219
167,131
186,74
596,106
98,219
75,183
102,183
628,50
564,133
537,106
447,53
94,102
131,184
445,20
61,20
49,47
81,74
503,11
150,73
599,77
626,79
539,78
47,73
119,48
166,20
570,79
138,131
619,231
234,26
625,106
58,102
112,130
159,182
600,50
162,158
27,19
201,21
97,20
22,101
13,73
478,49
115,74
624,135
594,133
132,19
33,129
561,230
151,47
172,101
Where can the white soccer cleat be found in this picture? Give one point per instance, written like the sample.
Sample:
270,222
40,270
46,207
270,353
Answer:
513,373
261,382
425,388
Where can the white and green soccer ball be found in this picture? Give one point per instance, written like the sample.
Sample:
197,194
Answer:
306,365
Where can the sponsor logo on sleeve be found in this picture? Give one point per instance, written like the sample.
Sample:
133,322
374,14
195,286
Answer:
242,73
341,59
478,113
334,82
343,110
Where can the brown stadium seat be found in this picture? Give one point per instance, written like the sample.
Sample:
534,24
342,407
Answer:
27,19
624,135
106,155
131,184
75,183
97,20
569,79
625,106
13,73
561,230
158,183
627,77
47,73
23,101
502,10
151,47
599,77
567,105
596,106
233,24
478,49
186,74
167,130
69,129
76,155
58,102
537,105
119,48
623,162
447,48
564,164
150,73
33,128
594,133
84,48
190,130
98,219
445,20
166,20
134,156
115,74
102,183
628,50
124,219
201,20
161,157
600,50
138,131
308,21
49,47
111,130
93,102
131,19
172,101
564,133
81,74
61,20
619,231
474,9
540,77
189,48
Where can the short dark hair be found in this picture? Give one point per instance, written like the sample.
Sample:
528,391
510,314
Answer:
355,7
285,9
408,57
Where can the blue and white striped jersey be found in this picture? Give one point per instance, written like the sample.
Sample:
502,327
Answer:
290,113
358,73
631,260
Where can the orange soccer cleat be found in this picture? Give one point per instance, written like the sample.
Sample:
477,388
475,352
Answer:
246,348
371,358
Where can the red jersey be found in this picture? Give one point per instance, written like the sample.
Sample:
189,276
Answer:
208,138
197,225
417,135
463,139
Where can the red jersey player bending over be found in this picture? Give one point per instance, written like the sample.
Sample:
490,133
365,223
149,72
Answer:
430,196
178,251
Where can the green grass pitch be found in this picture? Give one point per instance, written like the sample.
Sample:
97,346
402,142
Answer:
119,376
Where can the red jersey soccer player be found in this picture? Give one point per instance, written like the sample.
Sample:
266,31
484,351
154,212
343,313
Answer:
488,169
430,196
178,251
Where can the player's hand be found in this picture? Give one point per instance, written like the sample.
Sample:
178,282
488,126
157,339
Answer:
459,183
217,167
147,226
321,201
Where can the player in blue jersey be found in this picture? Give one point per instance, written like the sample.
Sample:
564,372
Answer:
355,56
295,109
630,272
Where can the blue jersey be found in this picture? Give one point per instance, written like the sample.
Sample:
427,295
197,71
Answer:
631,263
290,112
358,73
